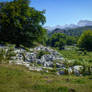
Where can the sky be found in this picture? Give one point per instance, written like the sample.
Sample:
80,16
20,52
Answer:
61,12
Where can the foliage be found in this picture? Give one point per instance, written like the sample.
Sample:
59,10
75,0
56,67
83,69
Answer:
57,40
85,41
21,24
44,37
71,40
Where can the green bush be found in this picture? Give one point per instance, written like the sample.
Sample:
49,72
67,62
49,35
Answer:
57,40
85,41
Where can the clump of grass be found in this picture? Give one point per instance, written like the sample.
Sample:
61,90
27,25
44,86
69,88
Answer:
41,53
78,81
6,54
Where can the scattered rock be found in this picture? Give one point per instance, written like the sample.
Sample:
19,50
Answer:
48,61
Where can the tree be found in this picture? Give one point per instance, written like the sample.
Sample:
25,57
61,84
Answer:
20,24
57,40
85,41
71,40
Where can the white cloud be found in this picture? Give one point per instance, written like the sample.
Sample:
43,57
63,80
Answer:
79,24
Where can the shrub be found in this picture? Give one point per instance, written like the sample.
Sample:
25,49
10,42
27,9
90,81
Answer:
57,40
85,41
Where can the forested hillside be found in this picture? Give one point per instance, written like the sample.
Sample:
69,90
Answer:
71,32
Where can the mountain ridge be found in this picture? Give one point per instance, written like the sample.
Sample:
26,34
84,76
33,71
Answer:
81,23
71,31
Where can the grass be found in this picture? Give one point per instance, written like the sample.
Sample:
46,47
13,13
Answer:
15,78
73,54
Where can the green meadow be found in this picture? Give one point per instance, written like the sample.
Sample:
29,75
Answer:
15,78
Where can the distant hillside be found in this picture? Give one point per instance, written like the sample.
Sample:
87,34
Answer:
72,31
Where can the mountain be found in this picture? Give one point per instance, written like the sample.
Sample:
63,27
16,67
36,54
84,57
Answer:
72,31
81,23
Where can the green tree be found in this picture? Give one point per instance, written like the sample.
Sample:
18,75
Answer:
57,40
85,41
71,40
21,24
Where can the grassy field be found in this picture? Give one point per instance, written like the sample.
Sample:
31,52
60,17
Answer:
72,53
18,79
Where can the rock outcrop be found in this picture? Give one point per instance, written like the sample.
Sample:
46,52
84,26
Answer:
43,59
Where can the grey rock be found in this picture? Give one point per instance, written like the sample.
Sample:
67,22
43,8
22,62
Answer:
77,69
60,73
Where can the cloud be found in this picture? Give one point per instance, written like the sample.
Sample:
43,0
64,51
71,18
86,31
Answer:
81,23
85,23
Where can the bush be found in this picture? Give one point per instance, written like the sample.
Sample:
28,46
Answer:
57,40
85,41
71,40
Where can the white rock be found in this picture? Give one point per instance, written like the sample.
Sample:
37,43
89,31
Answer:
77,69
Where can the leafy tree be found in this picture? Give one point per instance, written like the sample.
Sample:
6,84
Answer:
44,37
21,24
60,44
57,40
70,40
60,40
85,41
